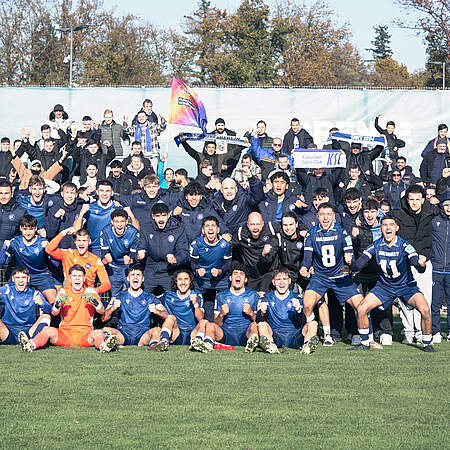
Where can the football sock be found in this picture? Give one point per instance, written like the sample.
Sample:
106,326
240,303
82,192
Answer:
326,330
426,339
209,340
364,334
200,335
42,324
370,329
165,333
40,339
98,340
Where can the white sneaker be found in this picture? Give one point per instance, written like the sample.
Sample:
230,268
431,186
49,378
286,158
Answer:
437,338
356,339
408,339
448,336
328,341
386,339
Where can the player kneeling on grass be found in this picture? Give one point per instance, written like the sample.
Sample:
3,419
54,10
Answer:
286,323
235,312
394,257
22,307
77,305
185,323
135,307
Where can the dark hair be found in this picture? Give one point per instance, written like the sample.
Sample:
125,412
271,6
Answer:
295,120
136,156
352,194
210,219
136,142
320,192
248,156
134,267
386,202
281,155
6,140
182,172
91,164
86,118
236,265
390,216
415,189
105,183
442,126
379,195
173,282
70,185
402,158
333,129
284,270
147,100
28,221
211,142
390,122
193,188
290,214
78,268
261,121
354,166
45,127
369,204
325,205
160,208
82,135
116,163
119,213
5,183
20,269
82,232
280,174
91,142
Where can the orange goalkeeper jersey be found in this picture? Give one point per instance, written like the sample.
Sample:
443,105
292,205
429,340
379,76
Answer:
76,311
91,263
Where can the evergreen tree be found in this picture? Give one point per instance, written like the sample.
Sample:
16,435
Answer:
381,43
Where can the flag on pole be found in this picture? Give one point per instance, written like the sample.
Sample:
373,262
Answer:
185,107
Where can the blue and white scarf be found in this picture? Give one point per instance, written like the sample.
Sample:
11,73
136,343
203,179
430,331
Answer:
377,140
148,138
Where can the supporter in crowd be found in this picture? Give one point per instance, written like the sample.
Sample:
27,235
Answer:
126,213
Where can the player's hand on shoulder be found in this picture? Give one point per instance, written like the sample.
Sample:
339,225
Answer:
348,258
227,237
171,259
355,231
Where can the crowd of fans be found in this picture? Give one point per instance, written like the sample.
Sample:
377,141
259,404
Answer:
232,254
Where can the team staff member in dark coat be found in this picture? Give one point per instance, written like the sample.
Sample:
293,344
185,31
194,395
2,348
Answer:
163,249
234,203
10,213
434,163
92,153
279,199
141,203
209,153
62,214
296,137
256,246
123,183
414,216
440,259
192,209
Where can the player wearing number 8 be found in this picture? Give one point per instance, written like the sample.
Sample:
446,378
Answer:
394,257
326,246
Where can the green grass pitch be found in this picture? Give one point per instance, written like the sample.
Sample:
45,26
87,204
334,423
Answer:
80,398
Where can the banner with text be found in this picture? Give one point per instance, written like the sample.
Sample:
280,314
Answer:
315,158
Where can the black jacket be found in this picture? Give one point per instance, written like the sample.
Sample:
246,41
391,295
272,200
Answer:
310,182
416,228
10,215
123,185
304,139
440,249
83,157
55,225
391,140
432,165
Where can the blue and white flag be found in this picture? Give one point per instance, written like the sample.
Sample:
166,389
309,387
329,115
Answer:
211,138
376,140
316,158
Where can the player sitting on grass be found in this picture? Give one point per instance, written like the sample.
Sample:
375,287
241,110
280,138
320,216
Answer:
286,322
77,306
235,311
28,250
185,324
79,255
394,257
135,307
21,307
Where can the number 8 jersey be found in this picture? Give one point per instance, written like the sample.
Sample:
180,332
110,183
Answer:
325,249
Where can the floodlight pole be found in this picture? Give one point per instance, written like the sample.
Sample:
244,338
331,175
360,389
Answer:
71,56
443,69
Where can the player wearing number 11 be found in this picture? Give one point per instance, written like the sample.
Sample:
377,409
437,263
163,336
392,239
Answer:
394,257
327,245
